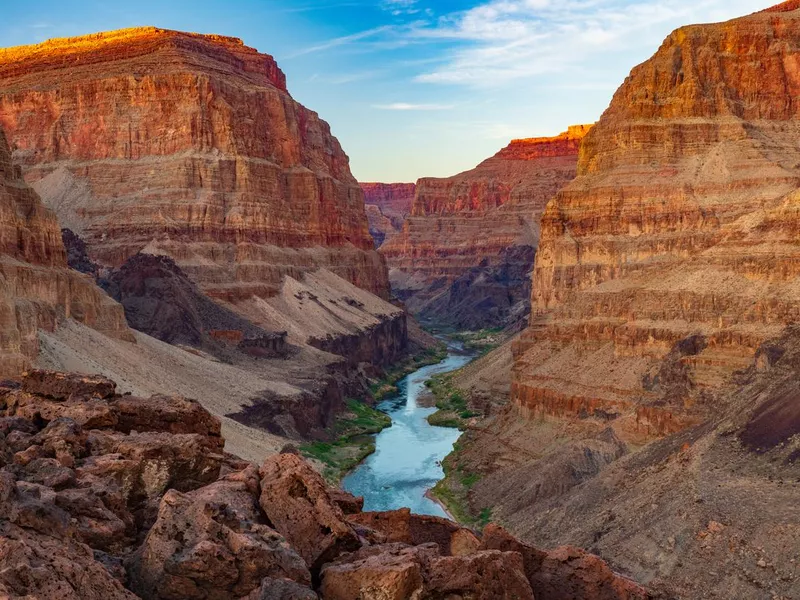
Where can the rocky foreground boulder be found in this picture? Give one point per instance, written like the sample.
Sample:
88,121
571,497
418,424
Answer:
116,497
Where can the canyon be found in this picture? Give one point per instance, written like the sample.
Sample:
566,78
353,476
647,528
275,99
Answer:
113,496
477,232
648,414
388,205
186,145
219,213
200,235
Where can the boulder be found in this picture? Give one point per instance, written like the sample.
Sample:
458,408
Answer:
485,575
564,573
298,503
349,503
37,565
213,543
31,506
282,589
60,386
92,518
404,526
87,412
171,414
388,572
145,465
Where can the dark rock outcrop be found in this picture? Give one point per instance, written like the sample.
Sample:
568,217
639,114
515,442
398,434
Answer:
161,301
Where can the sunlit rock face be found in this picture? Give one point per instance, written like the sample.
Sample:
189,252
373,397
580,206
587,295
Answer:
471,219
187,145
673,255
388,206
36,286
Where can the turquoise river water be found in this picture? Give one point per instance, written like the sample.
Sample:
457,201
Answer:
407,458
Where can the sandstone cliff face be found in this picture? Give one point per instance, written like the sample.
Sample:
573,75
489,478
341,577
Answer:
462,221
681,223
388,205
36,286
188,145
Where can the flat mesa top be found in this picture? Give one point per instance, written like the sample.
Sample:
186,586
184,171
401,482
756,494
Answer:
574,132
96,41
134,50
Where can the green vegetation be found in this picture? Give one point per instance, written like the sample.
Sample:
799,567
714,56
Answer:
354,440
470,479
451,402
388,385
485,517
484,340
453,491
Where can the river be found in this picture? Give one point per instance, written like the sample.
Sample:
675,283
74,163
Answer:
407,458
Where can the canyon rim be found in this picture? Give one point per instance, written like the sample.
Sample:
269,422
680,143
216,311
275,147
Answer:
202,311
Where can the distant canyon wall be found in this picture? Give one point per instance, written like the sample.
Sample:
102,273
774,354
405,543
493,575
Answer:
472,221
388,205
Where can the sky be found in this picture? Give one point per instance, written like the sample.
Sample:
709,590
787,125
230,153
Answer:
416,88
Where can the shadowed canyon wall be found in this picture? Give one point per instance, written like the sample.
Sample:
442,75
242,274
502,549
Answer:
388,205
673,255
187,145
36,285
471,220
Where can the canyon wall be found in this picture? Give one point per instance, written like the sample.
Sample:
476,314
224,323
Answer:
471,220
388,205
673,255
187,145
36,286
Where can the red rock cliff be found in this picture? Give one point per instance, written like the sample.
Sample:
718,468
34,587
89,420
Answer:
189,145
463,221
388,205
36,286
682,222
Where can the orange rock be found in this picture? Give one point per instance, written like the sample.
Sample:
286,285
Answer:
564,573
404,526
188,145
296,501
388,205
682,220
39,288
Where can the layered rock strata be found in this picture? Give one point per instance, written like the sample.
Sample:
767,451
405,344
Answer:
145,505
388,205
37,288
470,220
187,145
681,223
707,511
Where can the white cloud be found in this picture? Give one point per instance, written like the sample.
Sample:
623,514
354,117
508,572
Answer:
401,7
407,106
341,41
505,40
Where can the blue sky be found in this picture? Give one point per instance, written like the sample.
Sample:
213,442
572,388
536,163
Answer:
416,88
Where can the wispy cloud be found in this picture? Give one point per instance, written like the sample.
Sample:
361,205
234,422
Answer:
344,78
505,40
341,41
401,7
408,106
